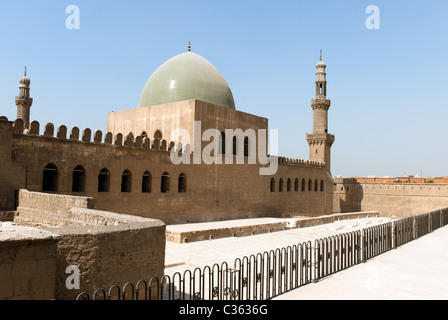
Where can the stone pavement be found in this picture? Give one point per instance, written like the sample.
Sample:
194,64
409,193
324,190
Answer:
415,270
182,256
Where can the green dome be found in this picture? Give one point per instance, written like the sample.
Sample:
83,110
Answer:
184,77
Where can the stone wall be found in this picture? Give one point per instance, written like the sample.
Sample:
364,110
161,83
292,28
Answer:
48,210
107,256
107,248
397,200
27,263
213,192
11,176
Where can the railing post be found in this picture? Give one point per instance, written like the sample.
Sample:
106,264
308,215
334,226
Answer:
362,246
314,263
393,236
414,228
430,229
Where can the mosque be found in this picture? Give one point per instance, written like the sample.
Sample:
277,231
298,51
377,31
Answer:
186,110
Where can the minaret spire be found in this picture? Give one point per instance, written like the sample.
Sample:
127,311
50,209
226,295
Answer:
320,141
24,101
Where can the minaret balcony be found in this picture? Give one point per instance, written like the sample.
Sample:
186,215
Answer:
321,102
24,101
320,138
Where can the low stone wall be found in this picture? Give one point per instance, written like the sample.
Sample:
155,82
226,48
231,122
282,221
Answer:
241,228
176,234
309,222
104,248
110,255
27,263
48,210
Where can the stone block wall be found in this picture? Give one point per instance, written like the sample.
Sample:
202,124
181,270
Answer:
107,248
396,200
12,177
27,263
107,256
213,192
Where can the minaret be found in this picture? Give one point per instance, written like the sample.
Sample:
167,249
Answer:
23,101
320,141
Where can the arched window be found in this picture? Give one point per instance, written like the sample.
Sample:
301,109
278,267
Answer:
310,185
126,181
165,185
280,185
79,179
144,134
182,188
51,177
288,185
296,185
223,143
104,180
146,182
235,143
315,185
246,146
272,185
321,185
303,185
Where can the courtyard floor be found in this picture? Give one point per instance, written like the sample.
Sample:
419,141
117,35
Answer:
415,270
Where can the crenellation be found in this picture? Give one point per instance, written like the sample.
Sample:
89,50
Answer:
98,136
74,133
62,132
86,135
108,138
19,126
156,144
49,130
146,143
163,145
118,139
129,141
138,142
34,128
300,162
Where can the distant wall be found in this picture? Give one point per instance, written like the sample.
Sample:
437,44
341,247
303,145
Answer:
396,200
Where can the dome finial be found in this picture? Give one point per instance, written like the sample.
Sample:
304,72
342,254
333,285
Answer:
320,54
25,72
189,46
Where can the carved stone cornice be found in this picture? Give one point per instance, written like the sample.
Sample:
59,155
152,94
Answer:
24,101
320,139
320,103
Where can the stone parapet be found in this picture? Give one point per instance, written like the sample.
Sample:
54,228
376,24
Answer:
107,248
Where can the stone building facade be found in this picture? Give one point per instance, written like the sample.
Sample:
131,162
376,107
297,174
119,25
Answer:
129,169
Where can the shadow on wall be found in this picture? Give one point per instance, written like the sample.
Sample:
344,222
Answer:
350,195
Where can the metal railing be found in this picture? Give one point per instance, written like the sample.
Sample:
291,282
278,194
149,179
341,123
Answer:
266,275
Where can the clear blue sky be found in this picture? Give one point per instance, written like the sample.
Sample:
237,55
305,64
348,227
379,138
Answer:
387,86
